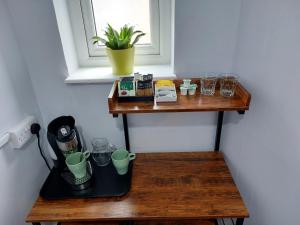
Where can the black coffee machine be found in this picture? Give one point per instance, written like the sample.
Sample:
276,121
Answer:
64,139
63,136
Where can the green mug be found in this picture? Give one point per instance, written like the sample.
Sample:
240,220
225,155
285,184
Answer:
77,163
121,159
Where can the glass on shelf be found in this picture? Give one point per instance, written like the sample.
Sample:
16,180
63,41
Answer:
208,84
228,84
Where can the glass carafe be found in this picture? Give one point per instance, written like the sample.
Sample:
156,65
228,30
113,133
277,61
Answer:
102,150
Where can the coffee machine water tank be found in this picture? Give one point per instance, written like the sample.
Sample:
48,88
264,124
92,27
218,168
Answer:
67,140
63,138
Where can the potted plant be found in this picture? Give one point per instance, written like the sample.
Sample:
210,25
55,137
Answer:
120,47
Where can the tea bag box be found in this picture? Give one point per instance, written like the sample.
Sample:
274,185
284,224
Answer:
126,87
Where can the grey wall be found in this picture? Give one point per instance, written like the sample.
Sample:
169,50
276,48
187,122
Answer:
205,36
262,46
262,148
22,171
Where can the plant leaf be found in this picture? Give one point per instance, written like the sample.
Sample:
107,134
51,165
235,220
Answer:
96,40
119,40
137,31
137,38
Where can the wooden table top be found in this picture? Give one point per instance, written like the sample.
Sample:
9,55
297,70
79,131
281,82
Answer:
194,185
197,103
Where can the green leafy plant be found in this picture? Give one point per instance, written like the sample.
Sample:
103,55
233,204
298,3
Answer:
119,40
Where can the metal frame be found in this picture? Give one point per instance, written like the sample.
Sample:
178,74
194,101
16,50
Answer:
239,221
217,138
126,134
219,130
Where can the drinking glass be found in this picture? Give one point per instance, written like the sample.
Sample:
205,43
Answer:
102,151
208,85
228,84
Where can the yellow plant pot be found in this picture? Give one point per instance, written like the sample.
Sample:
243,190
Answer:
121,60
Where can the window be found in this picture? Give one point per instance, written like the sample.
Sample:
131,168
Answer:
90,18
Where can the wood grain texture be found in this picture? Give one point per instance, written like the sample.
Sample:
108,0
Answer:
176,222
91,223
168,222
165,186
198,102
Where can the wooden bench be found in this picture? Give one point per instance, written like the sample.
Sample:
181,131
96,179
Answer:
168,222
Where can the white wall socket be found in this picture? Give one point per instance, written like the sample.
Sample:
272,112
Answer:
21,134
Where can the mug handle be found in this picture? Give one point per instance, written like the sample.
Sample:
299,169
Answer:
86,154
90,166
131,156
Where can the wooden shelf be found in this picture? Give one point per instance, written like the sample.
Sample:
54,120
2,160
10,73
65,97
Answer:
165,186
159,222
196,103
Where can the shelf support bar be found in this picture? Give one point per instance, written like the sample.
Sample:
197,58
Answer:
219,130
239,221
126,133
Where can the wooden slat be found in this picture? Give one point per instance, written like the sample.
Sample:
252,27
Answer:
165,186
198,102
113,94
91,223
176,222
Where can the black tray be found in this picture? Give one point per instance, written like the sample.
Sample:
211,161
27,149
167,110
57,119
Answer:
105,183
136,99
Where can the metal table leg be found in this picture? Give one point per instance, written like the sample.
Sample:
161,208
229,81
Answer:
219,130
129,222
239,221
126,134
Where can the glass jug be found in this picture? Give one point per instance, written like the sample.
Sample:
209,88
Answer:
102,151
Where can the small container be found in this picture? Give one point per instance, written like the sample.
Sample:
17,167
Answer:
228,84
186,82
192,89
183,90
208,85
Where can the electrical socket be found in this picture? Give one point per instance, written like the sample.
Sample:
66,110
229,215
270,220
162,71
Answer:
21,134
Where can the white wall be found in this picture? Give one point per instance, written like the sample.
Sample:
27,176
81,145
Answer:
262,148
263,47
22,171
205,36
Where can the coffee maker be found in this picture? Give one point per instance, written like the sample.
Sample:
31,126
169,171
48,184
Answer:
64,138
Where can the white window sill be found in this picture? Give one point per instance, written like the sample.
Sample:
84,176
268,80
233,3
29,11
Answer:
104,74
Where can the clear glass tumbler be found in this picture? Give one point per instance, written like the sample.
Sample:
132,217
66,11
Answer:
208,85
228,84
102,151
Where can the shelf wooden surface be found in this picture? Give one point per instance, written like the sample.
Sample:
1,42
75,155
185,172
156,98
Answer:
159,222
196,103
165,186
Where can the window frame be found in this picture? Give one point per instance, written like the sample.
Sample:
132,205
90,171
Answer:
83,28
